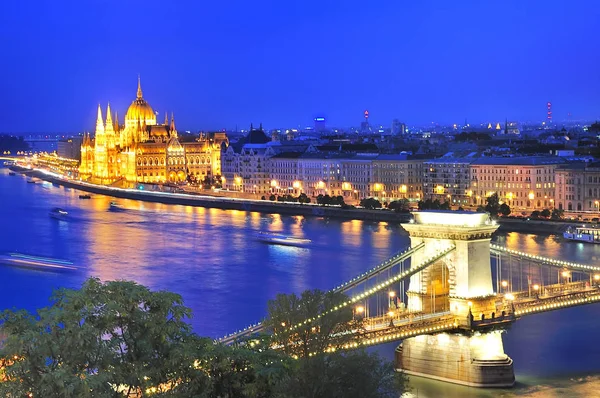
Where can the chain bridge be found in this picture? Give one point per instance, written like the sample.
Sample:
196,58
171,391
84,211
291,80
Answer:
449,296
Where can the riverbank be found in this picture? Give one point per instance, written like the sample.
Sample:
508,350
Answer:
186,199
544,227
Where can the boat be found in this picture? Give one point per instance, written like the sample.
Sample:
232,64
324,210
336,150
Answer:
114,206
275,239
12,173
583,234
85,196
35,262
30,181
59,214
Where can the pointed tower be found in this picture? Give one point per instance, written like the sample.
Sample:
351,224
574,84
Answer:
100,139
100,159
139,90
166,119
173,130
109,130
116,126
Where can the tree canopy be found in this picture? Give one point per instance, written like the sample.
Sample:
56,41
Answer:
119,339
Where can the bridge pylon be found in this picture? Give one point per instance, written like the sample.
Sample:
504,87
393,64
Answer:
460,284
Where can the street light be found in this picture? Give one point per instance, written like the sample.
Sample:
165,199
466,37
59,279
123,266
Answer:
504,285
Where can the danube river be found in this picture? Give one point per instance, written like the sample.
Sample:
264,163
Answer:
211,258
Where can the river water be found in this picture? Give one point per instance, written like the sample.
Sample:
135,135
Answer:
211,258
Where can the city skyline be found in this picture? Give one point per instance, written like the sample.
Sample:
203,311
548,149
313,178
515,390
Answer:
283,65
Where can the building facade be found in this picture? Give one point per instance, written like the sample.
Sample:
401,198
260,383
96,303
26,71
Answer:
578,187
523,183
141,150
447,180
397,177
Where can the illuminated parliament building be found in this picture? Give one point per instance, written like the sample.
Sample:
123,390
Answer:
142,150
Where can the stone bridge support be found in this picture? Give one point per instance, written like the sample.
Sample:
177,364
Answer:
460,283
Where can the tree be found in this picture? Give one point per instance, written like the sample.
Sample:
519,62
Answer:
303,198
272,198
493,204
400,206
322,374
545,213
370,203
504,209
557,214
117,335
535,214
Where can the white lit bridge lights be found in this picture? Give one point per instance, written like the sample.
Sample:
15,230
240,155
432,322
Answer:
394,260
382,285
546,260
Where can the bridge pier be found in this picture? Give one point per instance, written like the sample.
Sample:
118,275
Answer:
461,284
477,360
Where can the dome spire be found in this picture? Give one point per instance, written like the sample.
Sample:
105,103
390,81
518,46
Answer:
172,122
166,118
139,90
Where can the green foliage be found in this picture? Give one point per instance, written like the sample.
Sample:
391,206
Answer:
321,374
493,204
429,204
353,374
116,338
287,310
535,214
370,203
504,209
330,200
400,206
546,213
96,339
557,214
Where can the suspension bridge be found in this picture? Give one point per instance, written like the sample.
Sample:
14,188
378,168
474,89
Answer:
449,296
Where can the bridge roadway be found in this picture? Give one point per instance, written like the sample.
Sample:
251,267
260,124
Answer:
518,304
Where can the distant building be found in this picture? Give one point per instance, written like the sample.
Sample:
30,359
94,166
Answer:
398,127
396,177
320,124
578,187
447,180
524,183
69,148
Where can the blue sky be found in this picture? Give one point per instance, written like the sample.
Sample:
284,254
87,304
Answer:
218,64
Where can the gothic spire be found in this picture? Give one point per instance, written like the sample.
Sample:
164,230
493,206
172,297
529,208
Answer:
172,122
139,90
116,127
99,122
109,122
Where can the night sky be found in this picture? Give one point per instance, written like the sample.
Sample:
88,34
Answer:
218,64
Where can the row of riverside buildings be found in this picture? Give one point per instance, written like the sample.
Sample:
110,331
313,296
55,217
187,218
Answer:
264,167
142,150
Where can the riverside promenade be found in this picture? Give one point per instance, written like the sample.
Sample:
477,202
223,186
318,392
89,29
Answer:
219,202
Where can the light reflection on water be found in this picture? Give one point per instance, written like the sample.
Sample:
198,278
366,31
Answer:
212,259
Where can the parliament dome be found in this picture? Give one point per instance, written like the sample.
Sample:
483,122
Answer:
140,110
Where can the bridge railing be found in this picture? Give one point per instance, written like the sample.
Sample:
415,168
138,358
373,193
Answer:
545,260
549,303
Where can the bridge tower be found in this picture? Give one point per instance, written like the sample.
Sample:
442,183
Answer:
460,284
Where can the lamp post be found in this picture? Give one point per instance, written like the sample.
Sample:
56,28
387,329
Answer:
504,286
391,295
